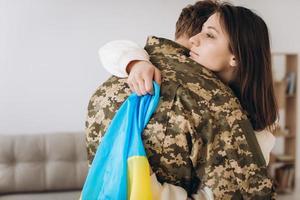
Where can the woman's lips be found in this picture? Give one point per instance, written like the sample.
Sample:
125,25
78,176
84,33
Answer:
193,54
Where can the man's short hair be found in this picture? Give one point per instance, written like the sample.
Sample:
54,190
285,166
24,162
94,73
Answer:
193,17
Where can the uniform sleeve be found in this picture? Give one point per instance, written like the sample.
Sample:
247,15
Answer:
247,162
226,155
116,55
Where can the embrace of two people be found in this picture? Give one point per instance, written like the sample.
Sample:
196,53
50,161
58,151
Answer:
210,137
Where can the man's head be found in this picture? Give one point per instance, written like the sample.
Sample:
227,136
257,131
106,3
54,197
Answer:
191,20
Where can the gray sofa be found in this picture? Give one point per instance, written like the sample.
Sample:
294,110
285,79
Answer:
42,166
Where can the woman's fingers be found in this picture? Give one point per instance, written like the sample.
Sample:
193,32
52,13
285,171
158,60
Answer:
133,85
141,76
130,85
148,84
157,76
136,87
141,85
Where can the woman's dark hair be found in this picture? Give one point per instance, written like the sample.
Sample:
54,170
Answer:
253,83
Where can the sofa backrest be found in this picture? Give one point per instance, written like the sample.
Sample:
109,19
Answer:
42,162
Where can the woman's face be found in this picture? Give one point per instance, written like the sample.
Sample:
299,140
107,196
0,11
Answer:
210,48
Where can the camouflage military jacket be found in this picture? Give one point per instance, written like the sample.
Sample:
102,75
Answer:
199,135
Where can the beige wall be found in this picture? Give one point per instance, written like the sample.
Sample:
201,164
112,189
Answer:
49,65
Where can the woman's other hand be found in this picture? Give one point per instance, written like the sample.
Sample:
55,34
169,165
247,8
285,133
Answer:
141,74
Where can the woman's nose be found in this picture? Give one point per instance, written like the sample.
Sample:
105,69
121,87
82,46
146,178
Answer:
194,41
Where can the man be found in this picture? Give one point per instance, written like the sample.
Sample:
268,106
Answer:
187,143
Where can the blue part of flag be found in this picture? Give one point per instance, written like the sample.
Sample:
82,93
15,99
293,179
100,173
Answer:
107,177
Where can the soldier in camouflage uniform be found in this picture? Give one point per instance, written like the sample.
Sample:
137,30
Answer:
199,134
198,137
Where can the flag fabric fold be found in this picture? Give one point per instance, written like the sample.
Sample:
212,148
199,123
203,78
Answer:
120,169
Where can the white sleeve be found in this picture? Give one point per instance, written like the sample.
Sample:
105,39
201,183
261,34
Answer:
172,192
266,141
116,55
203,194
166,191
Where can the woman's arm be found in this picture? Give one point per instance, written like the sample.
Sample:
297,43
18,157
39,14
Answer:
116,55
123,57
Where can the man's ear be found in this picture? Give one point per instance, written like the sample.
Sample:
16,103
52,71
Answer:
233,62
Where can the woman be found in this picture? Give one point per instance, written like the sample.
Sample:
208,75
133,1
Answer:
233,43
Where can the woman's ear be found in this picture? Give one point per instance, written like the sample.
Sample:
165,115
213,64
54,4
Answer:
232,62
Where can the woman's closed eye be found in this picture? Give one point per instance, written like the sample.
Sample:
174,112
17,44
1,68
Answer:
209,35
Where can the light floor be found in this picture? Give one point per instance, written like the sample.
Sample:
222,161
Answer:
293,196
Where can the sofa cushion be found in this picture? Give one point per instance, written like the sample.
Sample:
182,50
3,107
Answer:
66,195
42,162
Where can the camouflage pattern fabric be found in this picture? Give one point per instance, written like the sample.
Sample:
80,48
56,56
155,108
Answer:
198,137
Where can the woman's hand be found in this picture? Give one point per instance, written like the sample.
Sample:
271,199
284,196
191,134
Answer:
141,74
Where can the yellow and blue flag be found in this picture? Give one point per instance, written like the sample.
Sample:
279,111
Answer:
120,169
